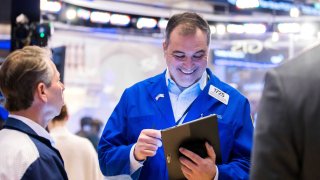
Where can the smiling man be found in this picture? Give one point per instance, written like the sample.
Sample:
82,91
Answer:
186,90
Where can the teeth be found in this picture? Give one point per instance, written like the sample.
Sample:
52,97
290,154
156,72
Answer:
187,72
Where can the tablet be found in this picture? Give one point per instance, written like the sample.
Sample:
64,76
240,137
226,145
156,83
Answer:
199,130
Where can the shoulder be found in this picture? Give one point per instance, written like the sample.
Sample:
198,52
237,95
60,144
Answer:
70,145
70,141
18,152
16,142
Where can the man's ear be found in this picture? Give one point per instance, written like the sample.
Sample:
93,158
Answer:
41,92
164,45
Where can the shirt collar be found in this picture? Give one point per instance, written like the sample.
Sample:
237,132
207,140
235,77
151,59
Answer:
34,126
173,87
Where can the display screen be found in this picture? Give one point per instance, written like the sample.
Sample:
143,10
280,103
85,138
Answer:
249,53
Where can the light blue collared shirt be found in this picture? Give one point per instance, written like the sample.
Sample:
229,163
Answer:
181,100
34,126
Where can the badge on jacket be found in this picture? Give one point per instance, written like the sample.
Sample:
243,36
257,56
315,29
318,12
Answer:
219,94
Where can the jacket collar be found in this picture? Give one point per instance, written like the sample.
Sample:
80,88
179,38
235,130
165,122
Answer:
16,124
158,91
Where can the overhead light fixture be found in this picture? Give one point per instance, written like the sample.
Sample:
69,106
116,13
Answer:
235,28
120,19
50,6
244,4
221,29
100,17
83,14
71,14
146,23
162,23
294,12
251,28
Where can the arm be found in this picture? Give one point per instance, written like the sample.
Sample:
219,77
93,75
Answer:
117,146
114,148
274,156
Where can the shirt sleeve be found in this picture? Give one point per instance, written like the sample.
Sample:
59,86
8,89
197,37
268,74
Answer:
217,174
134,164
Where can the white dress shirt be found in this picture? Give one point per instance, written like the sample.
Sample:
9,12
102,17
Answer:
34,126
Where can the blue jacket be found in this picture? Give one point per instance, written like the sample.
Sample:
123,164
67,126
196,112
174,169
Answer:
138,109
37,158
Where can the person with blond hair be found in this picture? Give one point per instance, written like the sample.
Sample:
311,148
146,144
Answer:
33,92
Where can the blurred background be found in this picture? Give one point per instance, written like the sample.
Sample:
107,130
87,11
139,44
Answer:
101,47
